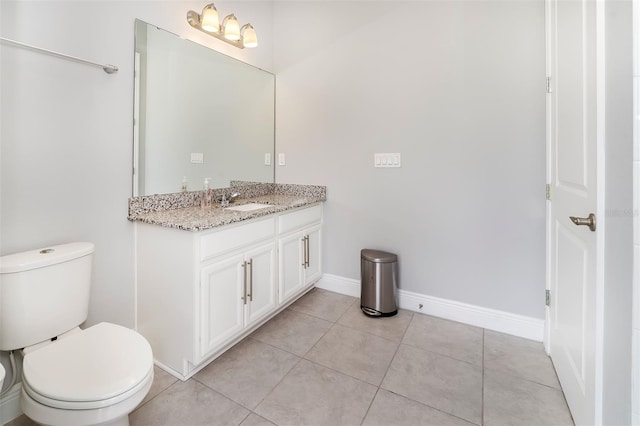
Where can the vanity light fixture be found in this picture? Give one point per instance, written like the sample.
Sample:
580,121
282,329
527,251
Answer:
209,19
229,31
231,28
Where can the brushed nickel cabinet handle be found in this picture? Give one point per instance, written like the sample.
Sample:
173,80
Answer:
589,221
244,267
304,252
250,263
307,251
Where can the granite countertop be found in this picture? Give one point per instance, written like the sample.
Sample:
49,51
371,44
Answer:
196,218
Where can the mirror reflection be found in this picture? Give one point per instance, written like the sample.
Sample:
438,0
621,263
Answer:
199,115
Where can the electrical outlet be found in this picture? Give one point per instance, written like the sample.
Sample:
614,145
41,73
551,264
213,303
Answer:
281,159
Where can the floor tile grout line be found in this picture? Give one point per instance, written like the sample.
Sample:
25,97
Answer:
158,394
375,395
432,407
440,354
324,334
279,348
221,393
245,417
274,388
315,290
397,349
519,377
373,334
316,343
367,333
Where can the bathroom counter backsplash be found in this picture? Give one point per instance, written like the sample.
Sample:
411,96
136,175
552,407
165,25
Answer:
182,210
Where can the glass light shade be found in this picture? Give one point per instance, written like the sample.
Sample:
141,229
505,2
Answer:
209,20
249,36
231,28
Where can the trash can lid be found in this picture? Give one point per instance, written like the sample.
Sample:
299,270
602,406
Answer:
378,256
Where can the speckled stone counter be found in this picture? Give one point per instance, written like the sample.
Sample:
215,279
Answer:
183,211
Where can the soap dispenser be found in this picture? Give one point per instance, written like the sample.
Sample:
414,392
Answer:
205,200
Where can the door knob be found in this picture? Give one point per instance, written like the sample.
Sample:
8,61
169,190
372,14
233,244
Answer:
589,221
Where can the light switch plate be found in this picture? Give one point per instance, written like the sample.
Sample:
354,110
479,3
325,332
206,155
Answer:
387,159
197,157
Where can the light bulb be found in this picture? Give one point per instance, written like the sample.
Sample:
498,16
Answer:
209,19
249,36
231,28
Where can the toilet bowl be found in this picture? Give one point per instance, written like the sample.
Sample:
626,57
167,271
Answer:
94,377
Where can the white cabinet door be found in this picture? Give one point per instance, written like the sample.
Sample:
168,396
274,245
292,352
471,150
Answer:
300,261
290,262
313,265
221,303
260,264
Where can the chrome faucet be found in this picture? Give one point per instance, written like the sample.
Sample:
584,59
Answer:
224,201
233,196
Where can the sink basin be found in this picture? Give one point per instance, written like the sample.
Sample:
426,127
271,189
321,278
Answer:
248,207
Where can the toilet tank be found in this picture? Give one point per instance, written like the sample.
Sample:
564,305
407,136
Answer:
43,293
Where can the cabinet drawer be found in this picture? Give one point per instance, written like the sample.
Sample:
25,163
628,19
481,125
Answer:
237,237
291,221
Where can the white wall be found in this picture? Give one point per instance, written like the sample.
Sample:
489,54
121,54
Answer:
457,87
66,130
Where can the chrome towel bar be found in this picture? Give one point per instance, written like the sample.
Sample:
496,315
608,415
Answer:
109,69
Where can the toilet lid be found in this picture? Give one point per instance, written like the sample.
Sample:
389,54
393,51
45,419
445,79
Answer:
98,363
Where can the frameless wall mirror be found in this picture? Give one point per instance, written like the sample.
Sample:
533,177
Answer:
198,114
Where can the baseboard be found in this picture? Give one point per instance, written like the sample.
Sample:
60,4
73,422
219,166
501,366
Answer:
491,319
10,404
340,285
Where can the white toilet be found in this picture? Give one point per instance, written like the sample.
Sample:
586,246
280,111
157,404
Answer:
70,377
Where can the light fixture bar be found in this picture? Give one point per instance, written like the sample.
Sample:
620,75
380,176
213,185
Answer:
195,20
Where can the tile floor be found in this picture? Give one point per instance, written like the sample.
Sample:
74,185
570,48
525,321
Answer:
322,362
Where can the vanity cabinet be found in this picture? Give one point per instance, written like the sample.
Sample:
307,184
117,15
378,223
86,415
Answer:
199,293
235,292
299,242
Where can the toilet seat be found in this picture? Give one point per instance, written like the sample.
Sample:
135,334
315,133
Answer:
98,367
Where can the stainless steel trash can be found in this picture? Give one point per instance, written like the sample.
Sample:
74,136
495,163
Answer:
379,271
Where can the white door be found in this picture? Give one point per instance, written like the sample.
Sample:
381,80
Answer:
572,127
